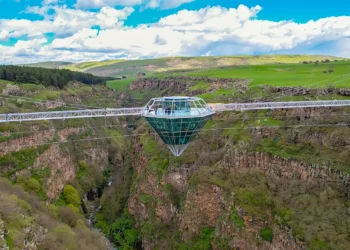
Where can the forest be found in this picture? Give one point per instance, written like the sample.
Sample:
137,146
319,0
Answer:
48,77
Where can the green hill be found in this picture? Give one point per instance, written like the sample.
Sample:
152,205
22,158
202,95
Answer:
119,68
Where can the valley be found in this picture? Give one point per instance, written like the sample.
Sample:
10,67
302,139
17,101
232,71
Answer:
267,179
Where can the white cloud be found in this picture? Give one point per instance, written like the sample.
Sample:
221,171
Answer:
47,2
95,4
166,4
64,22
208,31
152,4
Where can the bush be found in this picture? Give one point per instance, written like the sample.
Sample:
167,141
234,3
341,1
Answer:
266,234
124,232
82,166
32,185
237,220
203,242
68,216
53,210
72,196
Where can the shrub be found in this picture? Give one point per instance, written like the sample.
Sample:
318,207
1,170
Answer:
82,166
32,185
203,242
71,195
237,220
124,231
25,205
266,234
53,210
68,215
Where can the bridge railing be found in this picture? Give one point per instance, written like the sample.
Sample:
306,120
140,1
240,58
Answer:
279,105
70,114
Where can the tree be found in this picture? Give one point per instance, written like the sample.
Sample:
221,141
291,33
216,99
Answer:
72,196
48,77
33,185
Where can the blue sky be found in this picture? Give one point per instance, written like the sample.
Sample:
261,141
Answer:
297,10
78,30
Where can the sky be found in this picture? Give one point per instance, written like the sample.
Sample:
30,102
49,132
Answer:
90,30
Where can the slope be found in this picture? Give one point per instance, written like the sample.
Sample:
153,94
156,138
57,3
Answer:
150,66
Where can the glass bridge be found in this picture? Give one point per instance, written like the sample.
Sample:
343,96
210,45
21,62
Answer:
177,119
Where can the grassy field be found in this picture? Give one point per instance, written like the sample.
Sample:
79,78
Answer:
118,68
292,75
89,65
311,75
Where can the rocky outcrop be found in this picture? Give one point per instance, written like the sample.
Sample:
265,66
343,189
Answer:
284,168
308,91
26,142
37,138
182,84
12,90
98,156
3,232
32,235
203,207
159,84
61,167
50,104
209,205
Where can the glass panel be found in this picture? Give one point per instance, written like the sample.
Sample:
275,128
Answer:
178,131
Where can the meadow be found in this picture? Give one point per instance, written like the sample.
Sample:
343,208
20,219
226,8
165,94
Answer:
287,75
119,68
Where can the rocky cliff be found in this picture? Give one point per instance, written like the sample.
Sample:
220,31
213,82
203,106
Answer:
228,192
189,85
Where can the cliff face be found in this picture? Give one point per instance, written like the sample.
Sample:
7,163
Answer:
308,91
241,185
60,162
243,195
189,85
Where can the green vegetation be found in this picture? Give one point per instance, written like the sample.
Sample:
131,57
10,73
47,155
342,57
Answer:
266,234
72,196
283,75
47,77
159,161
182,64
20,160
124,232
237,220
26,219
88,65
120,85
201,242
237,153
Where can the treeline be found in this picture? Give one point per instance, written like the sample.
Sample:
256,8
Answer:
48,77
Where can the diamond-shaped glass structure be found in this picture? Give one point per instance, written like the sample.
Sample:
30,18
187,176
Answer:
177,119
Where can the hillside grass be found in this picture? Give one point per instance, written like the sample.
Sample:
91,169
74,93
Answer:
287,75
89,65
118,68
